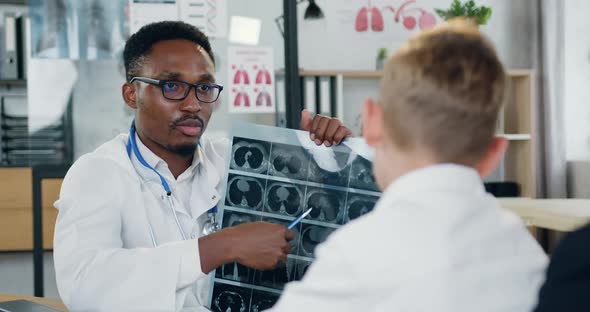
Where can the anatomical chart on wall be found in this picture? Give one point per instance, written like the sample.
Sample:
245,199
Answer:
210,16
251,80
401,17
274,175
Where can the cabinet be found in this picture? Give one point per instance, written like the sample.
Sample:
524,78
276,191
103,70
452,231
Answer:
16,209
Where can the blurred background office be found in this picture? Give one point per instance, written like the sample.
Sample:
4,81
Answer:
61,72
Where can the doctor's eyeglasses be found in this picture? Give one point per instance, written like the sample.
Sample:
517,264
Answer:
179,90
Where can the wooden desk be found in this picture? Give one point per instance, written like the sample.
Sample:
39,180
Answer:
52,303
564,215
27,215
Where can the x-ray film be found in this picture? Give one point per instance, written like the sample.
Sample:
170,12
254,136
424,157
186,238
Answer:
274,175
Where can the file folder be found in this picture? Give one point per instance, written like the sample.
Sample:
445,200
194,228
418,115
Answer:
9,64
23,39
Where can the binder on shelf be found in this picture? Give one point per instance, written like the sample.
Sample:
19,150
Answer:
325,107
281,116
23,38
310,100
9,48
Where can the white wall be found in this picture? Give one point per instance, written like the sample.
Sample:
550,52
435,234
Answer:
511,28
577,80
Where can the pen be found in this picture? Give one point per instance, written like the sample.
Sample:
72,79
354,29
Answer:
294,223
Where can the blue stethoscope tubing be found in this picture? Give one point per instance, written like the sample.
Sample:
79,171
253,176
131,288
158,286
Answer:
132,147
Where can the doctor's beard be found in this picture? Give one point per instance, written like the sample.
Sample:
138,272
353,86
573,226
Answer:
184,149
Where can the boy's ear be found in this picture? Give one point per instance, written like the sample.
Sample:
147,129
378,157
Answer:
372,128
129,93
492,158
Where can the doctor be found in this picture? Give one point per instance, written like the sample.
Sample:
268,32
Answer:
134,214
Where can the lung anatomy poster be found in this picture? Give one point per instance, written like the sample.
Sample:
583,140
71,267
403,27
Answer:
251,80
274,175
383,16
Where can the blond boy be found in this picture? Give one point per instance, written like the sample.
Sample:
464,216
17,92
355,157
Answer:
435,240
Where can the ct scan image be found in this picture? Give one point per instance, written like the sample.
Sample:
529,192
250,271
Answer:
234,218
289,161
336,172
250,155
327,204
235,272
263,300
276,278
358,205
299,270
275,175
311,236
245,192
229,298
284,198
361,175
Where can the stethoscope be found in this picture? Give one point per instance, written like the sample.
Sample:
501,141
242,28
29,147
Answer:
211,225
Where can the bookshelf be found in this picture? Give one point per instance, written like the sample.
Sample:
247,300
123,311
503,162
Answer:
517,122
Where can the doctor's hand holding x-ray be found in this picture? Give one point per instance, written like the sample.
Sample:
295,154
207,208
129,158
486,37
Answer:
134,214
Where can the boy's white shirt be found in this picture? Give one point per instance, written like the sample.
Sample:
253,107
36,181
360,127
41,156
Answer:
436,241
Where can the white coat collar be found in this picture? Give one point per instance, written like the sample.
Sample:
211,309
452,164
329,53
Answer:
159,164
436,177
116,150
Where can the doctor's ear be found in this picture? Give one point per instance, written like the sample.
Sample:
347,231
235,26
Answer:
129,93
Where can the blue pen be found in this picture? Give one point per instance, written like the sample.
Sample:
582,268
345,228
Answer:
294,223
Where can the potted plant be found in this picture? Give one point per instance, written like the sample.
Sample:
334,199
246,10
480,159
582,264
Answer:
478,15
381,58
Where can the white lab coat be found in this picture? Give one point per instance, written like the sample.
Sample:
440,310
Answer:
434,242
103,252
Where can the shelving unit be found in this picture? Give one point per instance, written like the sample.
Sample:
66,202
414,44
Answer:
51,145
516,122
16,83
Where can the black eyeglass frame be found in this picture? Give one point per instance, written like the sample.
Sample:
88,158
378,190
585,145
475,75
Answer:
161,84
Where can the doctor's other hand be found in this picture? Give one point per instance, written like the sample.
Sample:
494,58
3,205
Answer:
261,245
323,129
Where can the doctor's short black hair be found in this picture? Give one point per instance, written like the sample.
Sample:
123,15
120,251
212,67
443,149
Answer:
139,45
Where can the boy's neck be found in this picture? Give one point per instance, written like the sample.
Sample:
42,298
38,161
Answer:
391,164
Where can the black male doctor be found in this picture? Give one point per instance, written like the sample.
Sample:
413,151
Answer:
136,229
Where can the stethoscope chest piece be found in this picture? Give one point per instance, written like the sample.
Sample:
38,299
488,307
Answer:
211,225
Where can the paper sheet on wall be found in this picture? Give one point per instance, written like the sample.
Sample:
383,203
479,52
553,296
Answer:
49,88
274,175
208,15
143,12
251,80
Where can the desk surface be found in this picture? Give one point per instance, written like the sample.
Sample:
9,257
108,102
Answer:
52,303
564,215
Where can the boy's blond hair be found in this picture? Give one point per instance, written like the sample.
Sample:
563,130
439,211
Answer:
442,91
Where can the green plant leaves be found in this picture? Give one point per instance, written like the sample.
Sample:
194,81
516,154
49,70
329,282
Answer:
470,10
